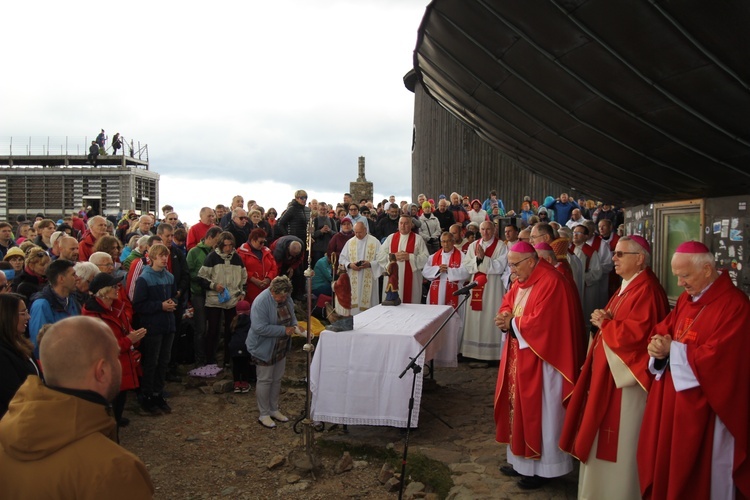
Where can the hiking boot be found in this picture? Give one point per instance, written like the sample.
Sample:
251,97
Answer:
149,406
161,403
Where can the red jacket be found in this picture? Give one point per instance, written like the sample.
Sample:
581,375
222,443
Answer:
86,247
257,268
117,320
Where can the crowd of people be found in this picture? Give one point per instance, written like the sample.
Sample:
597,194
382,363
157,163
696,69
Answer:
592,365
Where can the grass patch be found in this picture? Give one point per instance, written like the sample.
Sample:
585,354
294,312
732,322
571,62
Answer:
435,475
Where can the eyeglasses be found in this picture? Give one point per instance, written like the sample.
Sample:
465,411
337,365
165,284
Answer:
514,265
619,254
354,208
244,218
6,286
302,197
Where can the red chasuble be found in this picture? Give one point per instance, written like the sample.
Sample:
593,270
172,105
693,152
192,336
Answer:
408,273
450,286
552,324
674,449
595,404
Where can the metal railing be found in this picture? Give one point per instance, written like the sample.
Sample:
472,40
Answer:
66,146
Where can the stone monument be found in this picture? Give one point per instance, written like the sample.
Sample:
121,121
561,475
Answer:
361,189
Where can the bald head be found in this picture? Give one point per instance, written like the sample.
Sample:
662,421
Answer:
81,353
360,231
295,248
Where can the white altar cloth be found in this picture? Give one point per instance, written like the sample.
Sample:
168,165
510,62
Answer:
354,375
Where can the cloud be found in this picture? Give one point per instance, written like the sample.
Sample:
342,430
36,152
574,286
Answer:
256,94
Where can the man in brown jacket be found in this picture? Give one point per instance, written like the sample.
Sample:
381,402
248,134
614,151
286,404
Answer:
58,439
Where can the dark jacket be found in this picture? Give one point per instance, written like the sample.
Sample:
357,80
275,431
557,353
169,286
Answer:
293,222
237,347
14,368
386,227
28,284
284,260
321,239
446,219
178,266
240,233
152,288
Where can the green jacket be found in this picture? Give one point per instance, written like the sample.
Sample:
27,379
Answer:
195,258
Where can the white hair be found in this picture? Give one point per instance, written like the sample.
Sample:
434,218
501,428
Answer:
86,270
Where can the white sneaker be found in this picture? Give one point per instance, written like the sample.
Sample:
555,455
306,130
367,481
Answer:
267,422
279,417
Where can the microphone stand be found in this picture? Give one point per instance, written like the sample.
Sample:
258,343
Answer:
416,369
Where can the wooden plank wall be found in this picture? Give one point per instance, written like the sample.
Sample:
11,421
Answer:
448,156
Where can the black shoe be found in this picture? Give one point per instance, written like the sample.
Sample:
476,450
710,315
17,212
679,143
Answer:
509,471
123,422
149,407
532,482
161,403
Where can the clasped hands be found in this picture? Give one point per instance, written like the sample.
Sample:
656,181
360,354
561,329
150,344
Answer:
659,346
598,317
363,265
503,320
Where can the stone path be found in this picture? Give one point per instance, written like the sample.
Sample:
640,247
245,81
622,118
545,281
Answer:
463,397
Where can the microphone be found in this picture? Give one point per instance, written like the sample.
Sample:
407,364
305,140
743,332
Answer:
465,290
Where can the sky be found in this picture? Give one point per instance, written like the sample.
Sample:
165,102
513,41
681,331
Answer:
257,98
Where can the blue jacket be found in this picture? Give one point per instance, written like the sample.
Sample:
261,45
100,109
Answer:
562,210
48,307
264,325
152,288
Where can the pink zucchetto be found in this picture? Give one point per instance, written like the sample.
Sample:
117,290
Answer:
692,247
543,246
641,241
522,247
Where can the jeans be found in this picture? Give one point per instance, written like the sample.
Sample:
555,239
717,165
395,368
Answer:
157,350
268,387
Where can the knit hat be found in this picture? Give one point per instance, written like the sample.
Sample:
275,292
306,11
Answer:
243,307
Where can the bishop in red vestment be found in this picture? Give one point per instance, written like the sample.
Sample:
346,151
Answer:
540,363
604,415
694,436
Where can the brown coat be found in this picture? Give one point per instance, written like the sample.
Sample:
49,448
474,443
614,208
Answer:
56,445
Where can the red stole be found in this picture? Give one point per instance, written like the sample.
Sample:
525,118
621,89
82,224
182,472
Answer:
587,250
450,286
478,293
408,274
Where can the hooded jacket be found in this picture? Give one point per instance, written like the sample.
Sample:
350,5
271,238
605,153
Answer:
118,321
54,444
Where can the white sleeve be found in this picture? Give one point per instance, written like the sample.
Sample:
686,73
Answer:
522,344
682,374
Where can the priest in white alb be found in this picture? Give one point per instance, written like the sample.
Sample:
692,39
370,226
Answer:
486,261
411,255
359,257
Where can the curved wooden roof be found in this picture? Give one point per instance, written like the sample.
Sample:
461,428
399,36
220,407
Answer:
631,101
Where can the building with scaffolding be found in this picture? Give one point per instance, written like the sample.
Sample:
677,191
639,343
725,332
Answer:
54,176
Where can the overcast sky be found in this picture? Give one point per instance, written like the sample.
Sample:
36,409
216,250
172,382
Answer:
257,98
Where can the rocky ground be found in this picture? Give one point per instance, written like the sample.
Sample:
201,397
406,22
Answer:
212,446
